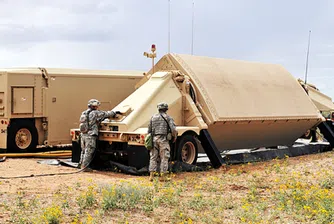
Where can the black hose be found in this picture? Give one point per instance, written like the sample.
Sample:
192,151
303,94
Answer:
51,174
42,175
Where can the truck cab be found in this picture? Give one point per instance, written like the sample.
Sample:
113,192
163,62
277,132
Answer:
130,128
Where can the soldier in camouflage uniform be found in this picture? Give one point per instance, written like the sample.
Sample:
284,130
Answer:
158,128
89,136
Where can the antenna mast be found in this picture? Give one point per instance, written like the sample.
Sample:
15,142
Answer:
308,51
192,29
168,26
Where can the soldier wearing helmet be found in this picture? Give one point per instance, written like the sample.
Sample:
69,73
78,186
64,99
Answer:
162,128
89,123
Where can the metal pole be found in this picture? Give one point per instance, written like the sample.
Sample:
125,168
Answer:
308,51
168,26
192,30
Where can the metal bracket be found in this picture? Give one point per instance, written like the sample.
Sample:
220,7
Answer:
45,76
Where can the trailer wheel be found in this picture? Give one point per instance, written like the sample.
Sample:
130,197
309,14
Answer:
187,149
22,136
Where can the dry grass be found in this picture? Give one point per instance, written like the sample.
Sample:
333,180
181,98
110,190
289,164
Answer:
292,190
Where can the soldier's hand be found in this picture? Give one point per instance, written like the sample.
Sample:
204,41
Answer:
116,113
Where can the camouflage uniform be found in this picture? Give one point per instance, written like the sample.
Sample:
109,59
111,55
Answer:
88,140
158,128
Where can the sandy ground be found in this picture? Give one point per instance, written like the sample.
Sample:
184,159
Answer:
47,186
14,167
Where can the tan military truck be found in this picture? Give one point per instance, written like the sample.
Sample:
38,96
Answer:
240,104
38,106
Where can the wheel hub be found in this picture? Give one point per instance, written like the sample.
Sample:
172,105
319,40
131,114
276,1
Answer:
23,138
188,152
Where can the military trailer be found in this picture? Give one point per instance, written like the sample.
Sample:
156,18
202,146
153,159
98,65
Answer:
38,106
240,104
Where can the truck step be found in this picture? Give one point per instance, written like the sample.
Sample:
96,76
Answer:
328,131
211,149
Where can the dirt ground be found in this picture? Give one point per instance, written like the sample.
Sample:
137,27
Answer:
14,167
46,186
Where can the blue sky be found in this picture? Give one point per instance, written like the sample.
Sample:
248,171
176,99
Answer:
114,34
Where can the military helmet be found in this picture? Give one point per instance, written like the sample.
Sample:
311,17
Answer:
93,102
162,106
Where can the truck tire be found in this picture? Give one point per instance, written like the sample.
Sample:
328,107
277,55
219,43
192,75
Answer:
22,136
187,149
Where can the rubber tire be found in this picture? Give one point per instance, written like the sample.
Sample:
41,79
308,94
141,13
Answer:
181,142
14,127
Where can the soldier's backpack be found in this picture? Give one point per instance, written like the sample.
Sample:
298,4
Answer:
84,122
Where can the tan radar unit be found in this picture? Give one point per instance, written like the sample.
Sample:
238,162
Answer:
240,103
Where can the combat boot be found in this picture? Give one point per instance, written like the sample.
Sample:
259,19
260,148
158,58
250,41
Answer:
151,176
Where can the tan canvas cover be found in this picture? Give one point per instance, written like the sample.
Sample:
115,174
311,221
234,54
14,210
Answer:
241,90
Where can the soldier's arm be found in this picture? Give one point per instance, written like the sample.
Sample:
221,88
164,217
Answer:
172,124
101,115
149,130
173,128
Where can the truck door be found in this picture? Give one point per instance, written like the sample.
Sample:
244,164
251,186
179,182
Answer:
22,100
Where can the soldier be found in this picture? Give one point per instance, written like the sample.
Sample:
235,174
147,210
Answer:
89,123
162,129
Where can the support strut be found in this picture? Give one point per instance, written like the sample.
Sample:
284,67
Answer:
210,149
327,129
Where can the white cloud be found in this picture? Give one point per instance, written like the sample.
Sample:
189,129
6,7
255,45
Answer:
114,34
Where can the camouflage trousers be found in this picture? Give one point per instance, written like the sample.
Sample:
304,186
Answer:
161,150
88,145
